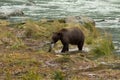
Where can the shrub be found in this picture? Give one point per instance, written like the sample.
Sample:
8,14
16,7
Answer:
31,75
103,46
33,30
58,76
89,40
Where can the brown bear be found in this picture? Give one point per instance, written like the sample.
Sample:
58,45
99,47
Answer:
68,36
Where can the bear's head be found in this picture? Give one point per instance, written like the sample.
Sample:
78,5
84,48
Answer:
56,36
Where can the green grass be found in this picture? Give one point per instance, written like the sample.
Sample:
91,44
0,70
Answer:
32,75
18,62
103,46
63,59
58,75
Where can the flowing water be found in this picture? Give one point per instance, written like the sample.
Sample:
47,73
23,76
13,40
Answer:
108,11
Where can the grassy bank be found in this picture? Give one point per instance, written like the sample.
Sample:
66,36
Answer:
24,56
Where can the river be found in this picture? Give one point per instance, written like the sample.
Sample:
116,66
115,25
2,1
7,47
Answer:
106,10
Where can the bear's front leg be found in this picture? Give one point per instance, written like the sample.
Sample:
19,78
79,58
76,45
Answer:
65,48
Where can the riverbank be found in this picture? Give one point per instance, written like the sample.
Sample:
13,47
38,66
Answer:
24,53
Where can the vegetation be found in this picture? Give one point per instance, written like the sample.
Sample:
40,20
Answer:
24,53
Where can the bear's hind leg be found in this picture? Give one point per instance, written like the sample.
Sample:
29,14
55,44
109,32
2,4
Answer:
80,46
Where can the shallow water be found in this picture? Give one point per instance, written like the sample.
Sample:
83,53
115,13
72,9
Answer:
106,10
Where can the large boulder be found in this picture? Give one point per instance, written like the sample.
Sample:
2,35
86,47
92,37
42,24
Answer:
30,3
81,20
87,22
3,15
16,12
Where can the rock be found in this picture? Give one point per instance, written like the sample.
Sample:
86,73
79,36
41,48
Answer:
6,15
80,19
87,22
51,63
30,3
3,15
16,12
